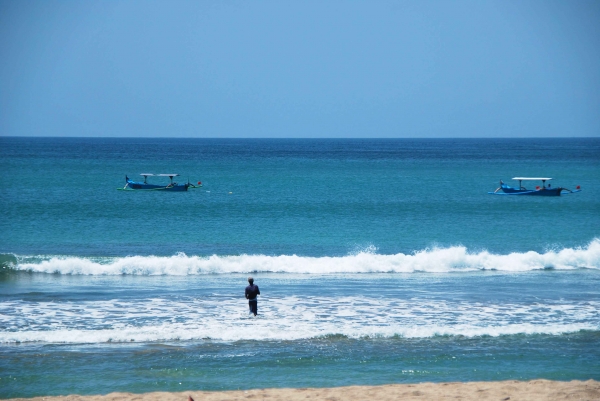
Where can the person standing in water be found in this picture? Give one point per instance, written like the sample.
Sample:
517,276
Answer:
252,292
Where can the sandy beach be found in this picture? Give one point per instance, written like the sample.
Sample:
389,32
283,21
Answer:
500,391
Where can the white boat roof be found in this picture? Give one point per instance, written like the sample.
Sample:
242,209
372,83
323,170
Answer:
159,175
531,178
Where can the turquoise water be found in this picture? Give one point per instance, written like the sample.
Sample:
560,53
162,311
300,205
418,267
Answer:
379,261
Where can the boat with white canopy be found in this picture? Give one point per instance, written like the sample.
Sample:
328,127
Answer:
171,186
543,190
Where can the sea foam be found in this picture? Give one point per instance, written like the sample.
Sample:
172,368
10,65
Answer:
435,260
283,319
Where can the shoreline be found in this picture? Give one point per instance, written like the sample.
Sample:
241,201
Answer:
512,390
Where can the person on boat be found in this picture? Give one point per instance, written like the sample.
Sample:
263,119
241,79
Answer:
252,292
500,187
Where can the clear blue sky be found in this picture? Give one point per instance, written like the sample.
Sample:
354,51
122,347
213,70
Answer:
300,69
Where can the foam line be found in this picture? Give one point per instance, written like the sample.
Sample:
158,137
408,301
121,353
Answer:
290,318
436,260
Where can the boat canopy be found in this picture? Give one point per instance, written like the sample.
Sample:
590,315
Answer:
159,175
531,179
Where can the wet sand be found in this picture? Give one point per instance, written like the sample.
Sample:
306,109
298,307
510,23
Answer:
473,391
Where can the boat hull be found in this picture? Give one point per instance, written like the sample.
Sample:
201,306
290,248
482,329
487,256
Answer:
507,190
140,186
542,192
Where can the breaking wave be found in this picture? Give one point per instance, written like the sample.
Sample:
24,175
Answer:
435,260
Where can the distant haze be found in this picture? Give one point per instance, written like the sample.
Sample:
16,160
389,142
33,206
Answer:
300,69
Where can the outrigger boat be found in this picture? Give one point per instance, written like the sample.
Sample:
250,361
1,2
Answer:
172,186
538,191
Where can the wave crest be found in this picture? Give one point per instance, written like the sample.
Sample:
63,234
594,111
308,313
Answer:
435,260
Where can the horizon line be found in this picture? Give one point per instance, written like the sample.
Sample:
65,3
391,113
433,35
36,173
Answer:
294,138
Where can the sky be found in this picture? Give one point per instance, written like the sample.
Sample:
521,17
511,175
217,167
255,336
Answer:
300,69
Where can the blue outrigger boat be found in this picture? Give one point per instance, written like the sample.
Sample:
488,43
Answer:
538,191
172,186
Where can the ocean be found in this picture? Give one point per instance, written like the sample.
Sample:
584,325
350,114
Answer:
379,261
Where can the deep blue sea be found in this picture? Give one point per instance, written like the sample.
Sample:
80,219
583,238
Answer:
379,261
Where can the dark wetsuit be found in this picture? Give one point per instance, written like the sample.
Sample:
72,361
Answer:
251,292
